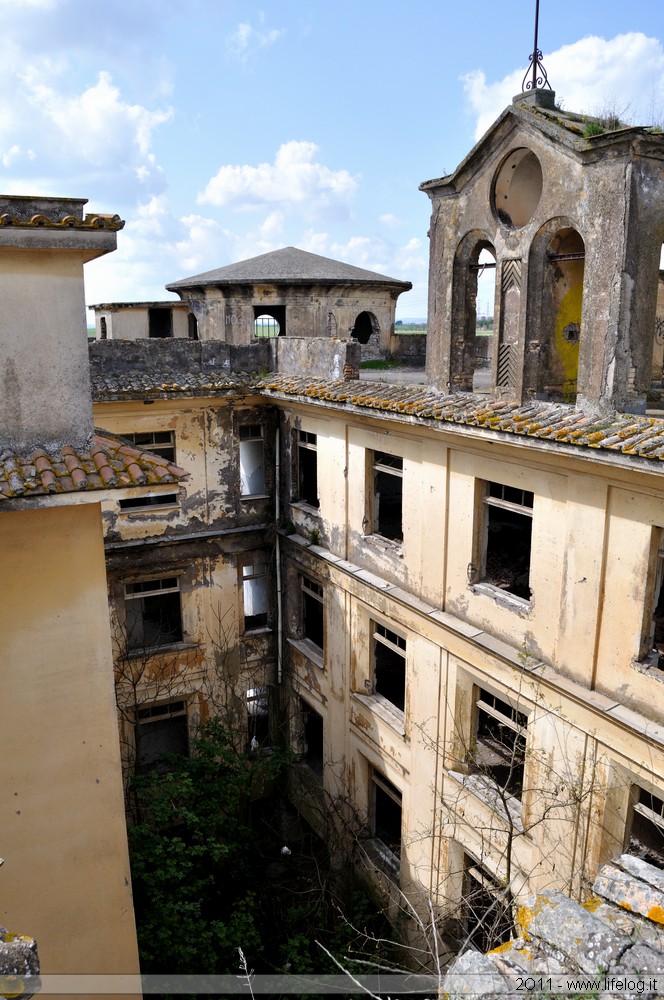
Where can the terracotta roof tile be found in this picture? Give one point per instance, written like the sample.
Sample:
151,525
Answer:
107,462
159,385
629,434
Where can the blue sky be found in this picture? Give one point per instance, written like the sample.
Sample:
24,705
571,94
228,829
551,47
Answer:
220,129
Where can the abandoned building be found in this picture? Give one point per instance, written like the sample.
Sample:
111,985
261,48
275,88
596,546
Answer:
449,600
135,320
292,293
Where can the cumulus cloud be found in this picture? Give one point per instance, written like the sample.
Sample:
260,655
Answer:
246,41
625,73
296,179
58,134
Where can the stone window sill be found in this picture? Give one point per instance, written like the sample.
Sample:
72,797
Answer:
489,793
167,647
385,710
310,650
503,598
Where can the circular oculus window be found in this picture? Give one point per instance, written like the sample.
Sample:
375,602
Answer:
517,188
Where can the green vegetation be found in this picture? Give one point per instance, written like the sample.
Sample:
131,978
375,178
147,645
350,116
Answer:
211,872
401,327
593,128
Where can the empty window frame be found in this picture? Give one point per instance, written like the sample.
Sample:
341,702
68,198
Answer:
385,812
313,612
652,643
507,537
153,614
307,468
258,717
646,835
254,596
487,911
500,748
160,442
389,663
161,731
160,322
388,496
252,460
312,738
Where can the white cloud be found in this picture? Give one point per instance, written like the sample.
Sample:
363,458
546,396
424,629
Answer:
625,72
89,138
246,41
389,220
295,180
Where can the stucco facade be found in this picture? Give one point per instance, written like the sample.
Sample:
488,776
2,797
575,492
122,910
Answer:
137,320
460,623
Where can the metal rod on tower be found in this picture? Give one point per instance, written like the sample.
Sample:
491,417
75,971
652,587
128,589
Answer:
535,68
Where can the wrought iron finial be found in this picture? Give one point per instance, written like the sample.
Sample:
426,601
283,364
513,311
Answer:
536,72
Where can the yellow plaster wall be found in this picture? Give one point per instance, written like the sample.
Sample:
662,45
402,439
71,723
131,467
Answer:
66,876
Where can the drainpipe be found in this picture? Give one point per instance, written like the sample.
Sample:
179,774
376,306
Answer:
277,514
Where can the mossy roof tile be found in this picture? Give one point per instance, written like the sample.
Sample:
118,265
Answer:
107,462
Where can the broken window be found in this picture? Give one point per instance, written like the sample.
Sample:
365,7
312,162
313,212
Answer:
258,717
487,915
388,496
160,323
312,738
500,750
252,460
160,442
161,731
389,654
313,617
254,596
508,520
652,643
385,812
153,614
646,835
307,457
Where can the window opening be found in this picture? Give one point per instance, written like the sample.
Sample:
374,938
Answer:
160,323
390,666
254,596
386,812
646,836
488,911
154,500
508,536
258,717
312,738
269,321
252,460
103,329
153,613
484,309
192,327
500,750
160,731
388,496
313,616
363,327
160,442
308,468
653,642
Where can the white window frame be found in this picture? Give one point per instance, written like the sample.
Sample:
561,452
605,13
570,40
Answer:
387,468
306,441
156,591
152,445
251,434
254,571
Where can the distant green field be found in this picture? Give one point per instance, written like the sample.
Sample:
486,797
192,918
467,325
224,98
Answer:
410,328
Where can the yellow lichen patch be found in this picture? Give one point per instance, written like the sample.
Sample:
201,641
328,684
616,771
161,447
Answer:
592,904
523,919
506,946
656,913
